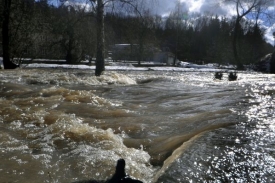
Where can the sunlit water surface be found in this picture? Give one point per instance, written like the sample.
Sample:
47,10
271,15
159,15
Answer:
59,125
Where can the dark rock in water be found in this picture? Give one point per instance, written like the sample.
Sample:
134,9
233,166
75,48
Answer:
218,75
232,76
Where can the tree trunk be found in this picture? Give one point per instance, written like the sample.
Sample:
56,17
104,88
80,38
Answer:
8,64
235,38
100,62
140,56
69,57
141,50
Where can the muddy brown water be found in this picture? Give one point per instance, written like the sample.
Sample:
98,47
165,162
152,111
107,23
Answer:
65,125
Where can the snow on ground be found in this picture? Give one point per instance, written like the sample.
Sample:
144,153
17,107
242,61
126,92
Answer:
121,66
128,67
66,66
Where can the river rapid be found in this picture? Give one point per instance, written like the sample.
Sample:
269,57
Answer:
66,125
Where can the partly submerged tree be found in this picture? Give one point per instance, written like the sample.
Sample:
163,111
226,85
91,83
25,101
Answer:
8,64
100,51
100,6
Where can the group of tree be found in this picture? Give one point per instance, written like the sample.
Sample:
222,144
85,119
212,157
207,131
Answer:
70,31
211,40
36,29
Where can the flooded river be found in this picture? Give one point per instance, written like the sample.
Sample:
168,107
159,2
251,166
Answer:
66,125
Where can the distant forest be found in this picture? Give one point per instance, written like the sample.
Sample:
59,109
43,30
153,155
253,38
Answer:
40,30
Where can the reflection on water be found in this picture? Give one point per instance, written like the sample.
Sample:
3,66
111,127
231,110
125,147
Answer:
67,125
240,153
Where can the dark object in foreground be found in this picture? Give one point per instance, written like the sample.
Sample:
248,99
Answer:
120,175
218,75
232,76
89,181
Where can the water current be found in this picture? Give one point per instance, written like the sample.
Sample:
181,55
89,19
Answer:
66,125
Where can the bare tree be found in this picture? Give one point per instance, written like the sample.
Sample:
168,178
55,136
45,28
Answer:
244,8
144,30
178,16
18,26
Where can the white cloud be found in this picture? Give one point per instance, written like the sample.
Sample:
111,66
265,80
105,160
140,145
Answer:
202,6
271,8
196,6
